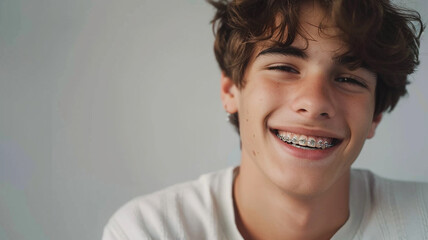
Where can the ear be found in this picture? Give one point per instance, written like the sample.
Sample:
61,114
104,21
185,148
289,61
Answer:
376,121
229,94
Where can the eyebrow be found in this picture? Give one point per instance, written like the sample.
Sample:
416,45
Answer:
287,51
349,60
342,60
345,59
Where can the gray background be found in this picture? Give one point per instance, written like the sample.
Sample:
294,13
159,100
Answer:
104,100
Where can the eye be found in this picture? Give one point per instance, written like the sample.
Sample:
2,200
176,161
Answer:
283,68
352,81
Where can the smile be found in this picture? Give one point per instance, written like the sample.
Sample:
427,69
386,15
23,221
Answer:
306,142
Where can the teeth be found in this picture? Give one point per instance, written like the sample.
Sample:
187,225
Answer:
303,140
326,144
288,138
294,139
311,142
320,143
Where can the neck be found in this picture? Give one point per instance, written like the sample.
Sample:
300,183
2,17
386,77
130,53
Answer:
265,211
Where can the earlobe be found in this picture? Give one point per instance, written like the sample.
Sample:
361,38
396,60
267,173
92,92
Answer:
375,123
229,94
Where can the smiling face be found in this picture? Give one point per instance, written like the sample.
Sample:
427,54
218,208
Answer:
304,116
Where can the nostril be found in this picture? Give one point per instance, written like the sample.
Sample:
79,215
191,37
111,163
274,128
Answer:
316,114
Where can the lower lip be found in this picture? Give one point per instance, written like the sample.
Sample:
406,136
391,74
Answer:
308,154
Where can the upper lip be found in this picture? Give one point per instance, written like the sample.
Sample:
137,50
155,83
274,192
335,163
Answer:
309,132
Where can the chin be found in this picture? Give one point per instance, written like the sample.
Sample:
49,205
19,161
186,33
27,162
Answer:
304,183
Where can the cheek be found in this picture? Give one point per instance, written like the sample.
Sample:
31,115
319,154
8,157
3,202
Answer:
257,103
359,115
261,98
271,96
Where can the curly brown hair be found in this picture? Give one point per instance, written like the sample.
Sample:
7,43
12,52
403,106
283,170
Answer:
380,36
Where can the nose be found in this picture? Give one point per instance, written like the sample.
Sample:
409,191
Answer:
313,97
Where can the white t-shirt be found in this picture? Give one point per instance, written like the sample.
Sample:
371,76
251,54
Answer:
203,209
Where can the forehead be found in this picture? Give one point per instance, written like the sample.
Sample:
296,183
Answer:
315,23
315,32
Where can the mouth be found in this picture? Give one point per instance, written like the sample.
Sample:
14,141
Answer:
306,142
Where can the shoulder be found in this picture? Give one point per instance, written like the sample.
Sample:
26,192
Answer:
172,213
381,187
394,209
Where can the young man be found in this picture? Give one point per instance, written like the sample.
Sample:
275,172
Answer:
310,81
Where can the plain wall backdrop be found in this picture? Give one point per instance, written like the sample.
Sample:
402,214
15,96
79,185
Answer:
105,100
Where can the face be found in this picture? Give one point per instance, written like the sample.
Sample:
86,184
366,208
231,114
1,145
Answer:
304,117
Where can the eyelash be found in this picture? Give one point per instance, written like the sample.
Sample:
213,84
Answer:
348,80
284,68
